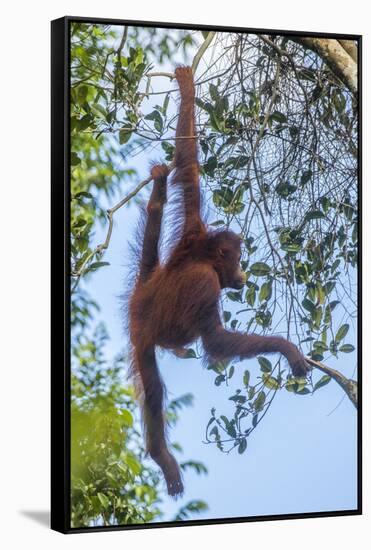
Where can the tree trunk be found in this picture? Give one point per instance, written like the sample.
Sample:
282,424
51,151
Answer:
351,48
336,56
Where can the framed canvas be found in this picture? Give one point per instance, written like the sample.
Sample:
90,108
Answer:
206,349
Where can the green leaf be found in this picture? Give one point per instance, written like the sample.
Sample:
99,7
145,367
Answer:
342,332
308,305
250,295
96,265
216,122
325,203
191,354
238,399
259,401
294,248
211,165
125,135
303,391
229,426
305,177
84,194
127,417
260,269
205,106
278,117
314,215
218,367
215,431
291,385
154,115
223,197
270,382
333,347
214,94
347,348
133,464
265,364
103,500
99,110
219,379
320,346
246,378
329,308
235,296
84,122
335,265
321,293
75,159
226,316
242,446
81,94
199,467
296,385
284,189
322,382
317,316
265,291
263,318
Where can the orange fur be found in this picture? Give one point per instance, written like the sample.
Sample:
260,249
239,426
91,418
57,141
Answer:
176,303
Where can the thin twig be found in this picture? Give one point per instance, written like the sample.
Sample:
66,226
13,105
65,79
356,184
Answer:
100,248
122,43
196,60
201,51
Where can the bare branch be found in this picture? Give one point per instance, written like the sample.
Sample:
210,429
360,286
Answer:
197,58
122,43
159,73
201,51
100,248
349,386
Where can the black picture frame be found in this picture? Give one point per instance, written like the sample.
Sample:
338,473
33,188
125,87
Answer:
60,269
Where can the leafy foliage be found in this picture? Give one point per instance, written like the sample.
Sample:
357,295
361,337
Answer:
111,481
110,485
280,158
278,139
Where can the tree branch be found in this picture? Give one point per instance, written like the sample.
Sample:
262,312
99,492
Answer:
100,248
201,51
159,73
351,48
122,43
349,386
196,60
335,56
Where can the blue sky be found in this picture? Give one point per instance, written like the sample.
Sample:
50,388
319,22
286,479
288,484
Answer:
302,457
